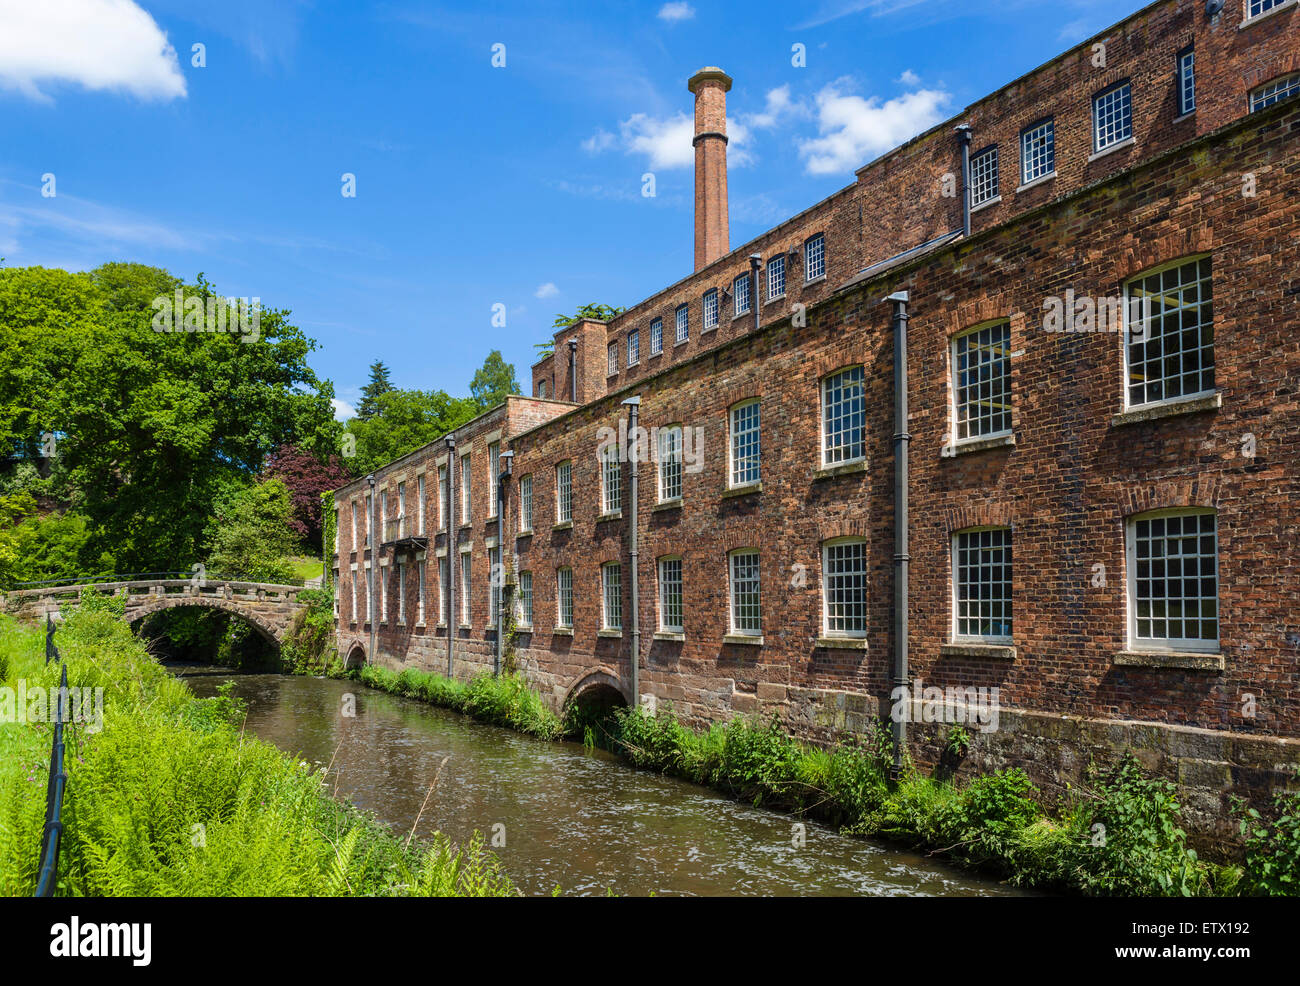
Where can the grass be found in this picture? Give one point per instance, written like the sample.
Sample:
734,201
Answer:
305,567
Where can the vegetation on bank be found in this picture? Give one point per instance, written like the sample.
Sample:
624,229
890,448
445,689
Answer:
170,798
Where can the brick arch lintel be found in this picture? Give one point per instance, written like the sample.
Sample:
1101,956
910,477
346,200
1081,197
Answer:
1183,491
960,516
1134,255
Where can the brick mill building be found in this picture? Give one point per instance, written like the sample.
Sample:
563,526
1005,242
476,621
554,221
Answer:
1087,284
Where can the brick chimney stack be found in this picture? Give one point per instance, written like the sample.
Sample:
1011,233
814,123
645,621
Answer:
710,86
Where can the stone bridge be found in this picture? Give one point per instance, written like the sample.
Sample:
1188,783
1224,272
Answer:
267,607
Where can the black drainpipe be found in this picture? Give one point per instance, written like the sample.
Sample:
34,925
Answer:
901,557
453,561
634,679
755,264
963,135
573,370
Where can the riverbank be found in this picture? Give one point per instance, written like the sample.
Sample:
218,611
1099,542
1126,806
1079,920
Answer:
170,798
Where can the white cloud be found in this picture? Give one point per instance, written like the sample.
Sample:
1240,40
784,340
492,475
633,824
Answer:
97,44
666,142
778,105
342,409
854,130
672,12
547,290
601,140
909,78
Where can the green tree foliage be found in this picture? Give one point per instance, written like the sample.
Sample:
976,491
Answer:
404,421
378,386
250,534
602,312
493,381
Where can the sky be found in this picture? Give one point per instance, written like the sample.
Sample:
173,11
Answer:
498,150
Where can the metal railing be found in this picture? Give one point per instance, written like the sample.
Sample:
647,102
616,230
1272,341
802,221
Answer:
52,835
130,577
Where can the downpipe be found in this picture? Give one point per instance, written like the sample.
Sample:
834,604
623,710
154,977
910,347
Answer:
902,441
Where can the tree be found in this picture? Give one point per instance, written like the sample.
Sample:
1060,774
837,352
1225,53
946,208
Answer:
306,477
378,386
602,313
493,381
404,421
250,534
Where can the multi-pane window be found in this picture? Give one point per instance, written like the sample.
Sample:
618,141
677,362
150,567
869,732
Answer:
745,616
401,592
564,597
1112,116
464,588
526,503
443,500
984,176
612,359
1275,92
670,463
814,258
981,367
383,594
745,443
370,596
683,323
981,575
1037,152
354,525
611,480
1186,81
352,588
844,587
1170,333
370,504
419,574
1174,585
611,584
740,294
844,411
633,347
1256,7
495,577
444,593
564,492
656,337
419,495
466,499
541,388
494,470
524,601
383,515
401,510
710,307
776,277
671,617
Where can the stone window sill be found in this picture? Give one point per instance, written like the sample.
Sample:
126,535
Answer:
562,632
744,639
1190,114
986,204
609,633
1001,652
815,280
465,525
708,328
564,525
968,445
616,515
1042,180
1173,660
1154,412
773,301
745,490
527,533
467,626
843,469
842,643
667,505
440,626
1267,14
681,342
745,314
669,635
1125,143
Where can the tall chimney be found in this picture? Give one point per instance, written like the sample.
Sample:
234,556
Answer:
710,86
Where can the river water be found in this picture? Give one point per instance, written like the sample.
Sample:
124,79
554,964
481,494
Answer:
571,817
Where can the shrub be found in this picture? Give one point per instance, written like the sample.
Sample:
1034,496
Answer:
1272,863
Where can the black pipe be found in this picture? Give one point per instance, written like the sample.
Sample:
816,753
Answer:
902,440
755,264
964,135
634,405
450,442
573,370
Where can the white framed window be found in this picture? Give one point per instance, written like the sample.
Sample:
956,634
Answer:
564,598
354,525
776,277
633,347
844,587
611,480
1112,116
745,443
1037,151
743,571
352,592
494,470
671,609
611,583
464,588
740,294
683,318
401,510
383,593
444,504
564,492
419,574
814,258
419,496
1173,561
656,337
526,502
1169,316
444,593
611,359
981,585
383,516
1275,92
981,382
1186,81
369,510
401,592
466,491
670,463
844,415
984,176
541,388
710,308
496,576
524,601
1256,7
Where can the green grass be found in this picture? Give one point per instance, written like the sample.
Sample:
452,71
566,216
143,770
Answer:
305,568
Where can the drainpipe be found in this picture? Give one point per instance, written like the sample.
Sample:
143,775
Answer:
755,264
633,405
374,561
452,559
963,135
901,557
507,458
573,370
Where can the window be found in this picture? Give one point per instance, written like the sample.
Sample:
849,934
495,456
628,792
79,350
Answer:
494,470
443,592
633,348
383,594
984,177
401,510
1170,333
541,388
611,582
981,582
745,443
526,503
710,309
1174,581
444,504
496,575
745,617
354,525
656,337
740,294
612,359
1256,7
1186,81
844,587
564,597
466,500
814,258
369,507
564,492
981,368
1037,152
464,588
524,601
1275,92
683,323
776,277
611,480
401,592
670,463
383,514
844,412
1112,116
352,589
419,495
671,619
419,612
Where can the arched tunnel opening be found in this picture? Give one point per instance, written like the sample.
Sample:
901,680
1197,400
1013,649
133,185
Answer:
206,635
593,715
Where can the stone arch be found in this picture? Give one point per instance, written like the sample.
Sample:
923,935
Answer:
268,630
354,654
596,686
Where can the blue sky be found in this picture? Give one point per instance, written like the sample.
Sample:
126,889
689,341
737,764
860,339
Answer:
475,185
